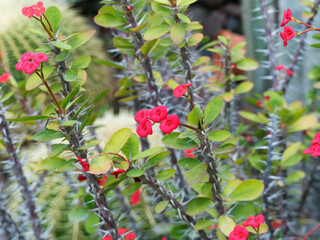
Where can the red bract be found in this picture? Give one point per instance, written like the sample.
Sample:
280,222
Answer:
135,198
20,65
117,172
81,178
253,221
142,116
28,12
289,72
144,129
287,35
266,98
169,124
122,231
314,149
103,180
286,17
181,89
4,77
239,233
157,114
189,152
27,56
30,67
279,67
40,57
38,9
316,138
259,103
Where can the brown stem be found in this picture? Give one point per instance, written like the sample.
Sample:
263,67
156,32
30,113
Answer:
190,127
47,30
48,22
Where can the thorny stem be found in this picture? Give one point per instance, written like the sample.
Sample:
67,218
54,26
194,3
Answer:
163,192
311,232
10,228
21,179
299,49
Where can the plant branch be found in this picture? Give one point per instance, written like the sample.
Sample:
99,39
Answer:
311,232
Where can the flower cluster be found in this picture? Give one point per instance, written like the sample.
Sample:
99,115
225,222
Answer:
36,9
135,198
253,221
314,149
281,67
287,35
181,89
4,77
239,233
29,62
156,115
122,231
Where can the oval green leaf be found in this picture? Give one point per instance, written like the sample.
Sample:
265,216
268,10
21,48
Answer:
99,165
177,33
172,140
248,190
247,64
220,135
197,205
213,109
156,32
196,174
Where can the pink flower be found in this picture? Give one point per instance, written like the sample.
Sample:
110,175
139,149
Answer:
287,35
189,152
142,116
279,67
266,98
103,180
121,231
38,9
40,57
316,138
289,72
169,124
259,103
117,172
30,67
28,12
157,114
81,178
239,233
314,149
27,56
135,198
144,129
253,221
181,89
286,17
4,77
85,165
20,65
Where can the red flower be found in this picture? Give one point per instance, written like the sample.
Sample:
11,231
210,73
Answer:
169,124
142,116
239,233
40,57
121,231
135,198
316,138
287,35
157,114
279,67
289,72
286,17
314,149
81,178
85,165
103,180
253,221
30,67
117,172
276,224
27,56
259,103
266,98
4,77
144,129
181,89
20,65
28,12
189,152
38,9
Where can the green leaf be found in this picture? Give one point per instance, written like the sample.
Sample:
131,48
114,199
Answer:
243,87
196,174
197,205
89,144
61,45
37,32
47,135
156,159
34,81
212,110
70,75
69,97
82,38
195,39
315,45
202,224
58,148
247,64
148,153
131,148
148,47
55,164
316,36
91,224
81,62
165,174
161,206
196,116
303,123
220,135
78,214
131,189
100,164
68,123
118,140
109,64
226,224
54,16
156,32
295,177
166,2
62,56
172,140
109,20
290,161
135,173
177,33
27,118
256,162
186,2
253,117
188,163
183,18
248,190
224,149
